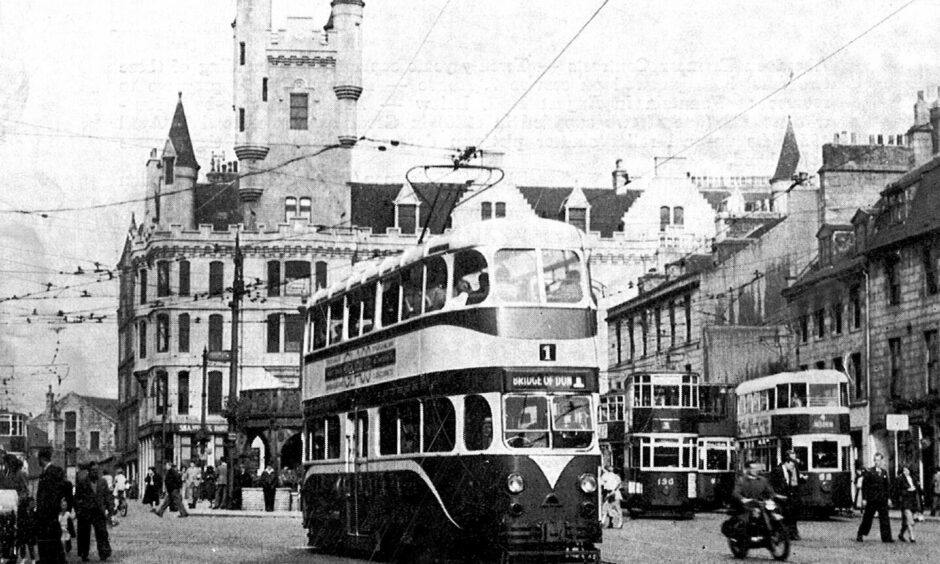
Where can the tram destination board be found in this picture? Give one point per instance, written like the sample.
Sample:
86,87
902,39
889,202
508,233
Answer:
550,381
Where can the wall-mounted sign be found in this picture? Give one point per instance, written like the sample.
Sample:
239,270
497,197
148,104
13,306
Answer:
897,422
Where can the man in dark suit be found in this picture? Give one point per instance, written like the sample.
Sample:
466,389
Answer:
174,485
93,506
876,491
50,491
785,480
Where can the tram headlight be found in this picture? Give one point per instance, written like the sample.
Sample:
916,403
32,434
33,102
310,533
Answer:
514,483
588,483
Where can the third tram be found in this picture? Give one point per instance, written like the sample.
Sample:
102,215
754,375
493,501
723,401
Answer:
807,412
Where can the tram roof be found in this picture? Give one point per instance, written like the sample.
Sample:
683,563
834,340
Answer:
501,232
807,376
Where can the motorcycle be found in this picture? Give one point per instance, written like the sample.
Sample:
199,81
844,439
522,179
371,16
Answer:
762,528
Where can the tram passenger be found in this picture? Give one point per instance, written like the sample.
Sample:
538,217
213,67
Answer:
569,291
480,294
462,290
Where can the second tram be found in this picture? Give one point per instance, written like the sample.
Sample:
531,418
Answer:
807,412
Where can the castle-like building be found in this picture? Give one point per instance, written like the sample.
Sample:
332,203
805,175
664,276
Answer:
301,223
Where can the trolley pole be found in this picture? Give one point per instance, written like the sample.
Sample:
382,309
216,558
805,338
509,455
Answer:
238,288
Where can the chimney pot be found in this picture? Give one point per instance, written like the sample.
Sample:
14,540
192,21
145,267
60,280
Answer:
920,94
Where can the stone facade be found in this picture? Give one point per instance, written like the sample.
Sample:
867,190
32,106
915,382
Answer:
83,428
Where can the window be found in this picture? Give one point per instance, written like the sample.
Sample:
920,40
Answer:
303,211
143,286
470,277
319,326
320,272
168,163
526,424
163,278
804,328
214,393
183,331
241,119
930,256
618,342
663,218
163,332
440,425
184,278
241,53
215,333
678,215
858,377
142,333
571,422
298,111
516,275
893,279
613,408
820,321
326,435
71,429
630,337
336,321
435,291
644,331
94,440
825,455
411,280
296,278
894,359
688,317
561,271
274,278
264,89
486,210
578,218
160,392
837,318
500,209
837,364
368,308
274,333
855,301
293,332
182,393
478,423
216,278
290,208
399,428
390,301
932,372
407,218
672,324
359,421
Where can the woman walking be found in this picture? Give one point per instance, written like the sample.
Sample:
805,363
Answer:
152,485
908,502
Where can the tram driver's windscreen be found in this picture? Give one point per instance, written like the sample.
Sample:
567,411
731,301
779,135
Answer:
528,424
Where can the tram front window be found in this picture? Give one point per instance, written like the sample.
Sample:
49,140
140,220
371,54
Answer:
825,455
562,272
716,458
571,422
666,396
823,395
516,275
666,454
527,421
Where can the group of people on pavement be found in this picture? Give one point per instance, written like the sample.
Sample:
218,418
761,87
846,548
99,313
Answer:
878,487
185,489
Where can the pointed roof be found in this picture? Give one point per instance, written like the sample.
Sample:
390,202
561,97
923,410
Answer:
789,156
179,137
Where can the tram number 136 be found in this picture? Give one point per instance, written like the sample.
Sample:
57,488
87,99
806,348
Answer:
665,481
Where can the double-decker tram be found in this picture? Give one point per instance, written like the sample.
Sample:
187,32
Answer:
717,451
807,412
660,443
449,396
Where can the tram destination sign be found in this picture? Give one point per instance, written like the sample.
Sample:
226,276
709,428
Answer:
810,423
361,366
550,381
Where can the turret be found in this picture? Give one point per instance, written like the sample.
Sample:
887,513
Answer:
345,21
252,28
180,171
781,181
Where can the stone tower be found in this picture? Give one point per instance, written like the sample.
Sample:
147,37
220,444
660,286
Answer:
296,91
171,176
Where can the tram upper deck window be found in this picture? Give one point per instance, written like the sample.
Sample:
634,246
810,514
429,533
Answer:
526,424
665,395
689,392
825,455
783,396
354,307
478,423
412,279
562,276
435,292
319,326
571,422
516,276
611,408
368,307
798,394
336,321
390,288
823,395
642,390
471,280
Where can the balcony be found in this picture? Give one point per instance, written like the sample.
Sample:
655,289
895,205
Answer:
263,405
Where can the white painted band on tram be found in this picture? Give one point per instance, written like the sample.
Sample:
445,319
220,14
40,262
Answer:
551,466
384,466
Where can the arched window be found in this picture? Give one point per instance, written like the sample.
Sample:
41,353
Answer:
163,332
663,218
678,215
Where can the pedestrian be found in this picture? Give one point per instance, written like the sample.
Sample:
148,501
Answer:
908,496
268,482
221,487
174,483
859,476
51,489
67,526
192,483
876,490
94,506
612,513
208,484
120,488
241,480
11,495
785,480
935,501
25,530
153,483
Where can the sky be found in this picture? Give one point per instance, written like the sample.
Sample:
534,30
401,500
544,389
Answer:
86,89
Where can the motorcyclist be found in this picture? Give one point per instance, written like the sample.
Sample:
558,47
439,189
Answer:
751,486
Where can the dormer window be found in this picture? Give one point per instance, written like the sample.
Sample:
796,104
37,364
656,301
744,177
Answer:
578,218
500,209
678,215
407,218
168,163
486,210
576,210
304,209
290,208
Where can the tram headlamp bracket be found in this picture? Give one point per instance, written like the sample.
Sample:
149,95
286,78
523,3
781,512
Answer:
514,483
588,483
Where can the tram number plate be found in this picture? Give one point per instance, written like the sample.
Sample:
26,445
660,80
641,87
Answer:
665,481
547,352
553,531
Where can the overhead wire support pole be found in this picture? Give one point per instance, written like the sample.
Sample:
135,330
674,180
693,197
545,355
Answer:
238,288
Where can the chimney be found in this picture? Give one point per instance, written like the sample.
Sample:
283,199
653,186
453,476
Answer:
935,133
50,401
921,110
619,177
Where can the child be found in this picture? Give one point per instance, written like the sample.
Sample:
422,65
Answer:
67,526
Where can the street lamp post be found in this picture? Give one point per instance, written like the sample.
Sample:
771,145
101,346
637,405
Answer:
238,288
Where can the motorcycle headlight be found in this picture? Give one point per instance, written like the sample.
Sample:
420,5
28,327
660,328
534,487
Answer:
770,505
588,483
514,483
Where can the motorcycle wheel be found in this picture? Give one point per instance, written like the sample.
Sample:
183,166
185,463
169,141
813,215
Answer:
738,548
779,544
